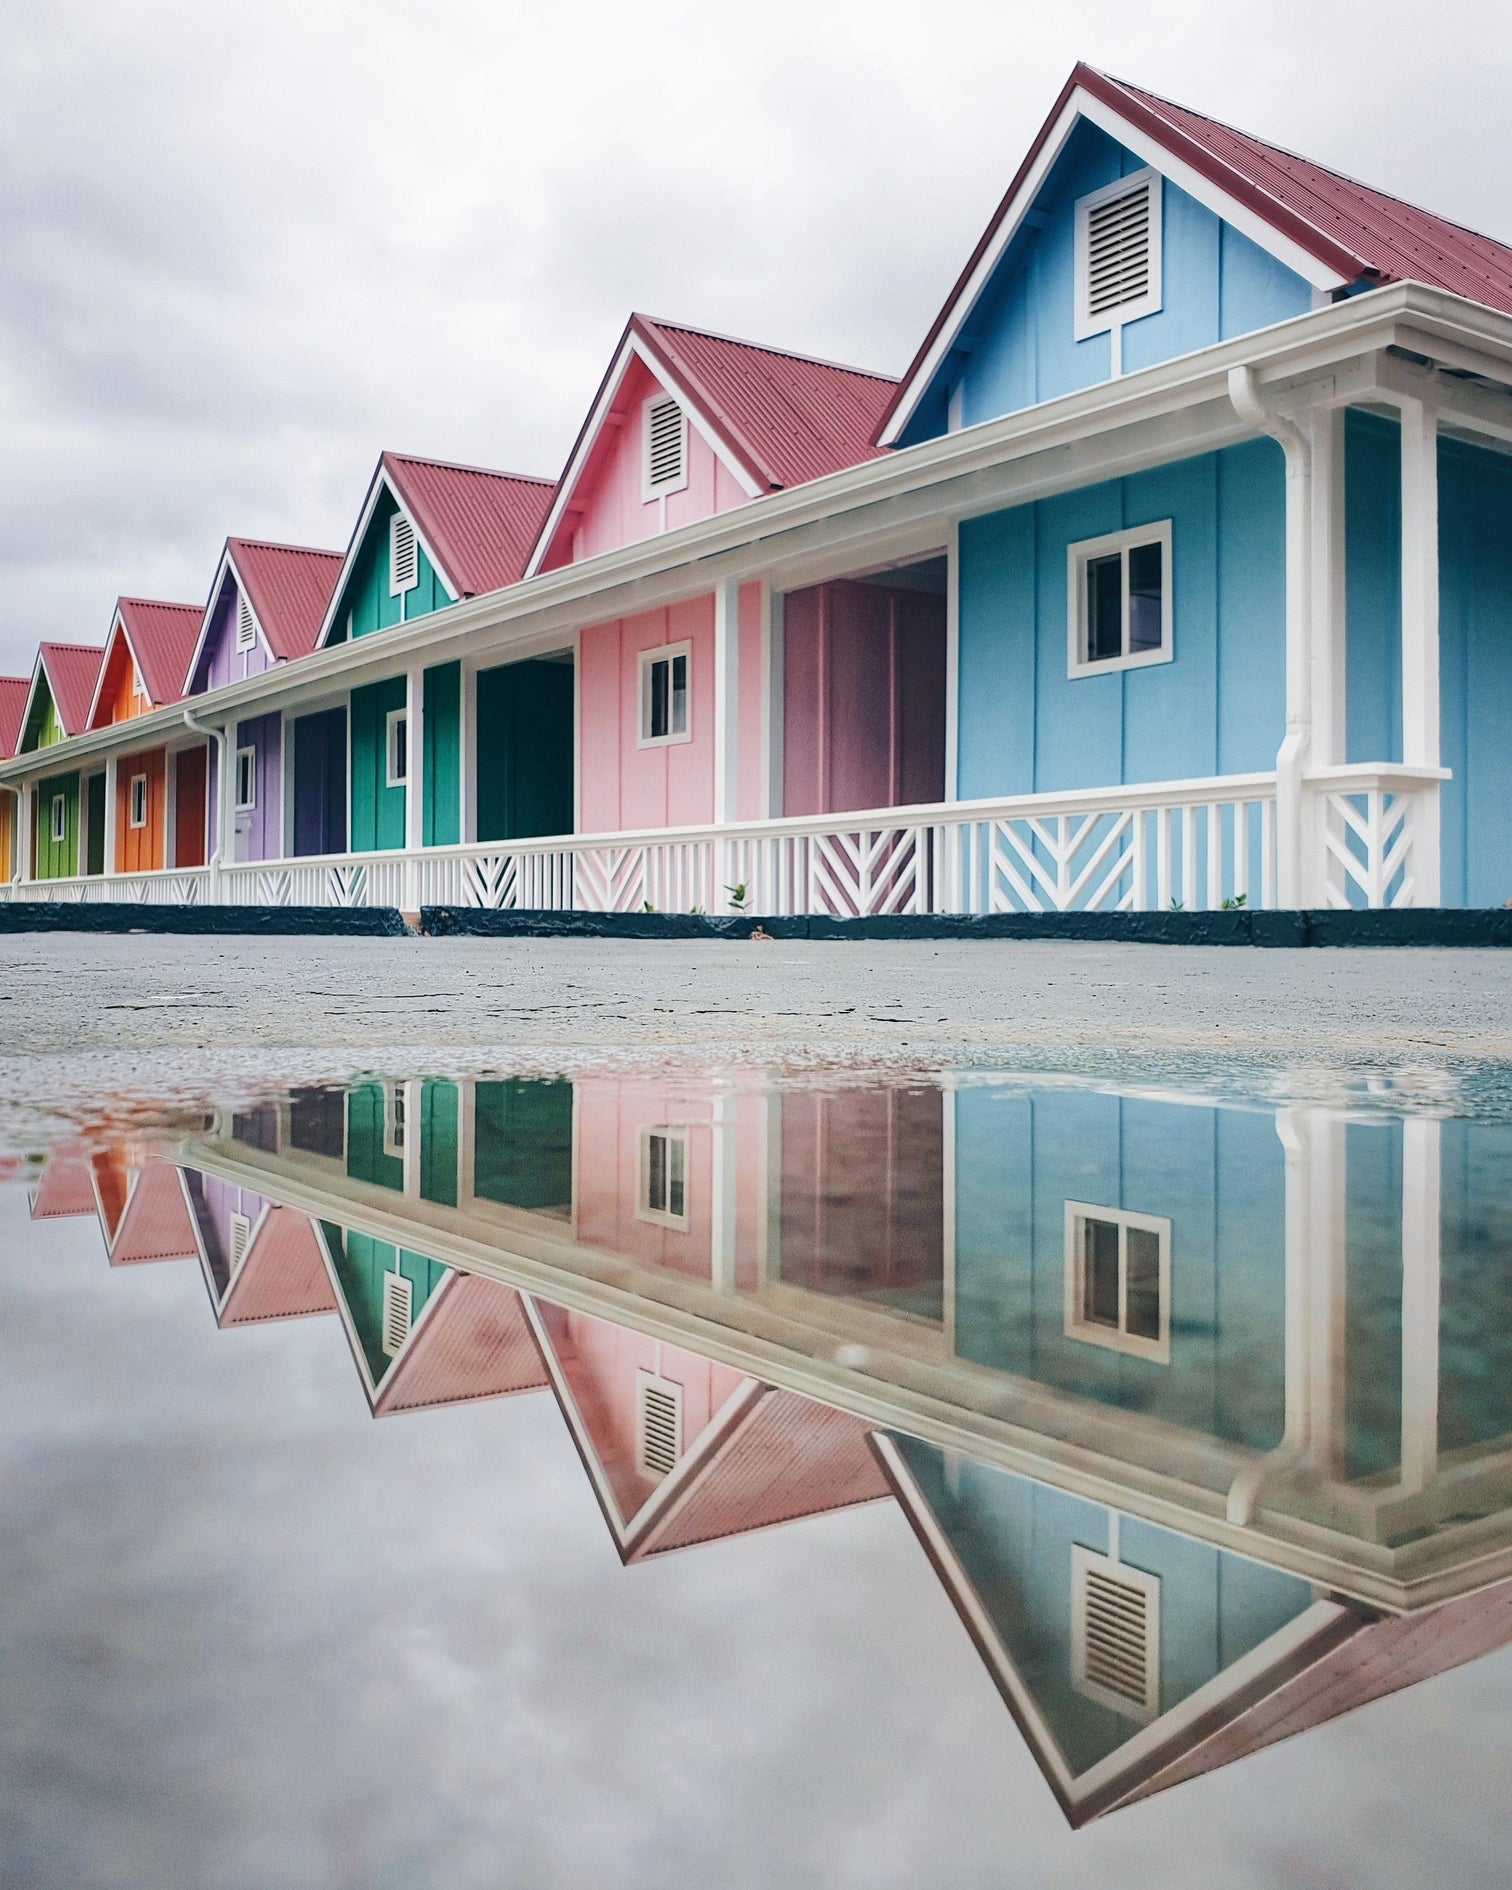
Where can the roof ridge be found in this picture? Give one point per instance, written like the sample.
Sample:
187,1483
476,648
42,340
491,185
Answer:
91,649
1300,157
160,603
454,465
270,544
766,347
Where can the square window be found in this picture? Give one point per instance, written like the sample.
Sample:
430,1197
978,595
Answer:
664,716
1118,1280
246,779
663,1194
395,1120
138,795
1119,601
396,745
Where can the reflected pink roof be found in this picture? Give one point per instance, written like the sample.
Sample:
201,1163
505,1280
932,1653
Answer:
162,639
71,669
481,525
787,417
289,587
475,1342
13,693
66,1187
283,1275
156,1224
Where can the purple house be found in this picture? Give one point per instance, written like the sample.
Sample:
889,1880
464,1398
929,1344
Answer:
266,607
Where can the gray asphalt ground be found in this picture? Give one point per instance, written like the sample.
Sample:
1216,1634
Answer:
84,1016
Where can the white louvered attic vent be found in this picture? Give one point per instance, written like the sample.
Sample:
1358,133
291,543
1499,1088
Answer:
1118,251
241,1234
246,624
658,1425
1115,1635
404,557
398,1306
666,445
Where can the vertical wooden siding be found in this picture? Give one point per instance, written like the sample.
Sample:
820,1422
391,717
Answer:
378,810
141,849
441,811
190,806
57,859
524,750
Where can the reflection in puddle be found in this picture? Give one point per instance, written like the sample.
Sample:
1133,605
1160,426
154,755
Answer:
1201,1412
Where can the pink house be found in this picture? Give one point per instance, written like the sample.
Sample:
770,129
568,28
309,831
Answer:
681,1450
685,425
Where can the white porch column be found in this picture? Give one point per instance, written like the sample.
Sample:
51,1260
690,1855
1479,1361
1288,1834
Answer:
1421,1272
26,839
225,795
414,1137
723,1170
1420,633
726,731
414,786
112,781
1294,850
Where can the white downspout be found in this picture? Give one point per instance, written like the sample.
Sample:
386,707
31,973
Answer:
223,787
1293,887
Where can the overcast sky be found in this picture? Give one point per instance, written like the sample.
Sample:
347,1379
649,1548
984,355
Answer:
247,247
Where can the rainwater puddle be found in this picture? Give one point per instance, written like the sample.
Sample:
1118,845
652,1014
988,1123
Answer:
780,1481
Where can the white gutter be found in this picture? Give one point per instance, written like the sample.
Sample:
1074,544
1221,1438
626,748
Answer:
955,475
223,786
1296,743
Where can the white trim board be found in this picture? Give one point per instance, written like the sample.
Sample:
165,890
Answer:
381,481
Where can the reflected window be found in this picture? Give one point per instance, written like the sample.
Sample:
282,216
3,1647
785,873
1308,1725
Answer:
664,1177
395,1123
1118,1273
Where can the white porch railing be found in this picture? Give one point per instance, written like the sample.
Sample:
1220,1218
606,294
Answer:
1196,845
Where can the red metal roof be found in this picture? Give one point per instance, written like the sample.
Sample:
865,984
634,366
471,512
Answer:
1351,229
66,1187
474,1342
13,693
283,1275
787,417
156,1224
1360,231
289,587
71,669
162,639
481,525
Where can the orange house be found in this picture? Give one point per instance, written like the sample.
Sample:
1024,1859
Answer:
146,659
141,812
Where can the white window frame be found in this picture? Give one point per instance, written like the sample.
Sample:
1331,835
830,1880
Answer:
644,1211
1086,324
646,1382
1116,1338
1085,1562
246,623
1085,552
663,653
134,818
395,1120
392,723
680,484
396,521
246,756
58,825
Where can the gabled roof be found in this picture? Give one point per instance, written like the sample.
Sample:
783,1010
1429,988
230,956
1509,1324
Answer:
289,588
65,1187
765,1457
472,1342
1321,1663
161,638
282,1274
778,419
156,1223
1334,232
14,691
71,671
477,526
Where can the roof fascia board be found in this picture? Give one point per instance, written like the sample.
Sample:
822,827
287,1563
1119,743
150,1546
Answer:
894,489
718,429
214,599
1083,104
438,565
39,676
577,1428
348,1325
633,347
